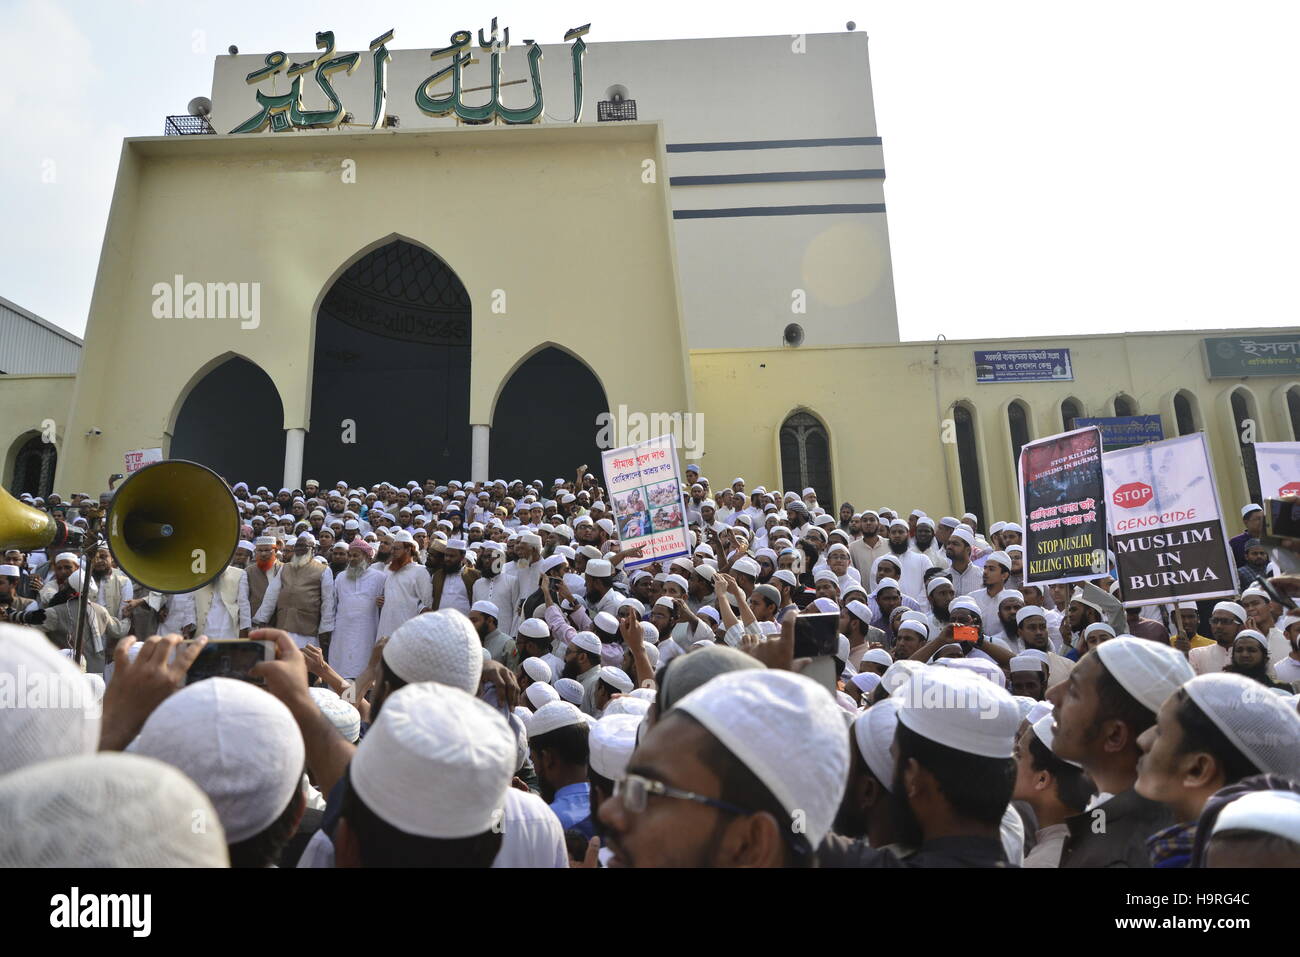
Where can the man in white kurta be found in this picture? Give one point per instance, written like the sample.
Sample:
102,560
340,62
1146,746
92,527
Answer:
408,590
356,620
221,606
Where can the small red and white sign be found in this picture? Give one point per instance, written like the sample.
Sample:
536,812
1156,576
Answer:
139,458
1132,495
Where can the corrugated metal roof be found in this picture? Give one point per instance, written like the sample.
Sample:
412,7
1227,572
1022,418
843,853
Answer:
31,346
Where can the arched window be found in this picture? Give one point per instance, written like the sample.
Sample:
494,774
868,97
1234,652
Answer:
34,466
1293,410
806,457
1245,421
1070,410
1018,423
1125,405
972,490
1185,414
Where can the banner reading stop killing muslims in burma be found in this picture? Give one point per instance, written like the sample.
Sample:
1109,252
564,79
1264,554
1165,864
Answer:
1167,532
645,492
1279,468
1062,508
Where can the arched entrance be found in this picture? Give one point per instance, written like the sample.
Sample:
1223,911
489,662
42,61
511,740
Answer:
34,464
232,421
390,376
544,422
806,457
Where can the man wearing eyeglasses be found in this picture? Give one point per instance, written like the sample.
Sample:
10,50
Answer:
746,771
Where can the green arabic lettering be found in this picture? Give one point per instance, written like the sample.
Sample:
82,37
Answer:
382,58
576,51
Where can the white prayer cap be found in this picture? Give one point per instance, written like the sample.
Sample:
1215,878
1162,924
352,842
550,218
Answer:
961,533
1252,507
66,723
345,718
1026,663
1009,593
529,538
538,670
1233,609
1268,812
873,732
899,673
616,678
879,656
10,571
552,561
568,689
486,608
107,810
612,741
959,710
926,521
826,575
306,538
787,730
841,647
786,576
983,666
552,716
436,763
439,646
824,605
746,566
587,641
1030,611
663,601
1039,709
865,681
605,622
1042,726
964,602
935,582
457,544
533,628
240,744
1002,558
1013,527
404,536
1260,724
1099,626
1253,635
604,524
67,557
627,704
245,545
1149,671
540,693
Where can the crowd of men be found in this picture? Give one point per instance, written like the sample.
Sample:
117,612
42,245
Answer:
480,674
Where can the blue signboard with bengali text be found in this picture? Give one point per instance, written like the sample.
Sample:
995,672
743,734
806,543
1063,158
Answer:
1024,365
1125,431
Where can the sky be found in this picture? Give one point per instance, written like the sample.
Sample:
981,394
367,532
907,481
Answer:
1052,167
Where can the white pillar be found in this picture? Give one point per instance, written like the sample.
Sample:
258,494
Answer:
478,455
294,440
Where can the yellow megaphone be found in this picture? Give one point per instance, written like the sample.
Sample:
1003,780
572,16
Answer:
173,526
22,526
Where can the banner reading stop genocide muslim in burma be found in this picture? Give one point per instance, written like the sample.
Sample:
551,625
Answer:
644,487
1062,508
1279,468
1167,532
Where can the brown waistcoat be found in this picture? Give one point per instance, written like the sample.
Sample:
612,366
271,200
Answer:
298,608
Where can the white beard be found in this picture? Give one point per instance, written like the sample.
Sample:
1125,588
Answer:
354,572
299,561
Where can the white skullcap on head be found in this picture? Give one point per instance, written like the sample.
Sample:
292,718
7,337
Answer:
107,810
611,742
599,568
873,733
587,641
345,718
1039,709
964,602
486,608
552,716
1099,626
787,730
568,690
878,656
540,693
964,534
899,673
982,666
436,763
865,681
936,581
66,724
1030,611
627,704
538,670
1149,671
911,624
826,575
10,571
1252,507
1026,663
533,628
439,646
68,557
1233,609
404,536
1002,558
240,744
1010,593
1042,726
1260,724
961,711
747,566
245,545
1268,812
605,622
651,649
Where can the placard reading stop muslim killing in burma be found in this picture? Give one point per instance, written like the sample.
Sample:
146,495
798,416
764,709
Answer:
1063,509
644,486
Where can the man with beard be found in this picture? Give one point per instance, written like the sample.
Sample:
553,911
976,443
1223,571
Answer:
407,589
495,585
1100,712
264,569
1250,659
115,589
870,546
582,664
997,571
558,748
967,577
941,593
1054,788
1089,605
301,598
1028,676
526,570
1009,604
102,629
483,616
864,820
453,583
600,594
337,556
356,619
221,607
533,640
926,544
1253,518
64,564
855,624
12,605
1227,619
747,770
1288,669
1031,635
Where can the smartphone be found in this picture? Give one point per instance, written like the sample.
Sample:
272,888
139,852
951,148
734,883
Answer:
1281,520
230,658
816,634
965,633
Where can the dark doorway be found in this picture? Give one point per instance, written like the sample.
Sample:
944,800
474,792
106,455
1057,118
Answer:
544,425
390,377
972,488
34,468
233,422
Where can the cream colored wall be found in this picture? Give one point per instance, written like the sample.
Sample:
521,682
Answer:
884,408
26,402
557,217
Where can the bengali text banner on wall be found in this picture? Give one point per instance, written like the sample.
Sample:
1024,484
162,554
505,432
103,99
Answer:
1062,508
644,486
1166,529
